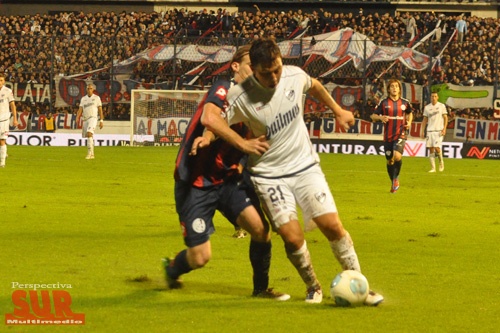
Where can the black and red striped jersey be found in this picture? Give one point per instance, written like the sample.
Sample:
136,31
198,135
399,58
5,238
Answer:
213,164
395,110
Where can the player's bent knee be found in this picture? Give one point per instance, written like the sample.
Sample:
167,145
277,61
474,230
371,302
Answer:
258,232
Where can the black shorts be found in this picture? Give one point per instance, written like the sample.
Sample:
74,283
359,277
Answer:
196,207
391,147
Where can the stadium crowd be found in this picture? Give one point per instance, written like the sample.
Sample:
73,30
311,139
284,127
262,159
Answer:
26,57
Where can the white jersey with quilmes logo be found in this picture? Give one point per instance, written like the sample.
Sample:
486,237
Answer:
434,114
90,106
278,114
6,96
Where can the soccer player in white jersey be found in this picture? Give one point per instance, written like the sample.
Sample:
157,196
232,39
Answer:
436,119
271,104
90,108
7,107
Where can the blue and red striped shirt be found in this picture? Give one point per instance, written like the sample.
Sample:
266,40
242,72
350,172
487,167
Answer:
395,110
215,163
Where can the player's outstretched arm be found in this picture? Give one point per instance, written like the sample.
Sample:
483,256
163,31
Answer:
344,117
212,120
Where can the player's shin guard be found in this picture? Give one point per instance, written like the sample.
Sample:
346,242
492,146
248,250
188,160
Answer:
301,260
180,265
260,258
343,249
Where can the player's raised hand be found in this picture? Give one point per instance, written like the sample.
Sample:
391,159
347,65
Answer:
256,146
345,119
198,143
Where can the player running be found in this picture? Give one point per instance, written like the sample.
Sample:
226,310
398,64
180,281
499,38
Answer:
396,114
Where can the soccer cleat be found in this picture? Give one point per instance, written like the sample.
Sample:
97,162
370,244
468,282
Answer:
441,166
373,298
240,233
89,157
171,282
432,170
395,185
314,295
271,294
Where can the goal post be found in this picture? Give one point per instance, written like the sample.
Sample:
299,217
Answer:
160,117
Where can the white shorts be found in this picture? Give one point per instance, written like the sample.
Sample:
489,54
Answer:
434,139
309,189
89,126
4,129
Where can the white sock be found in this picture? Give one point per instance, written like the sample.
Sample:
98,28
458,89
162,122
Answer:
301,260
440,156
90,145
343,249
432,158
3,154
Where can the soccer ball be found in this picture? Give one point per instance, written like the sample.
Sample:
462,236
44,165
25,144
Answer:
349,288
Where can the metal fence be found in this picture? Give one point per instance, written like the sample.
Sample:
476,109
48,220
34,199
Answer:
36,66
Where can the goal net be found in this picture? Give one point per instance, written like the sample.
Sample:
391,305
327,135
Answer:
160,117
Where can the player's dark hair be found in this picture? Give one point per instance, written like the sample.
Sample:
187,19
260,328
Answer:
240,53
264,51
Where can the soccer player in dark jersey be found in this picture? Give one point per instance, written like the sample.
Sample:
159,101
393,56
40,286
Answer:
209,177
396,114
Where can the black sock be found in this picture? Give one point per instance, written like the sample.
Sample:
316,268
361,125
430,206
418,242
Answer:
260,258
179,266
390,170
397,168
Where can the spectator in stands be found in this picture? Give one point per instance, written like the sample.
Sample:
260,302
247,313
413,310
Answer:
461,27
76,54
411,26
50,125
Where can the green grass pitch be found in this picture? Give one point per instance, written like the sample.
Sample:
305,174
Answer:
102,225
